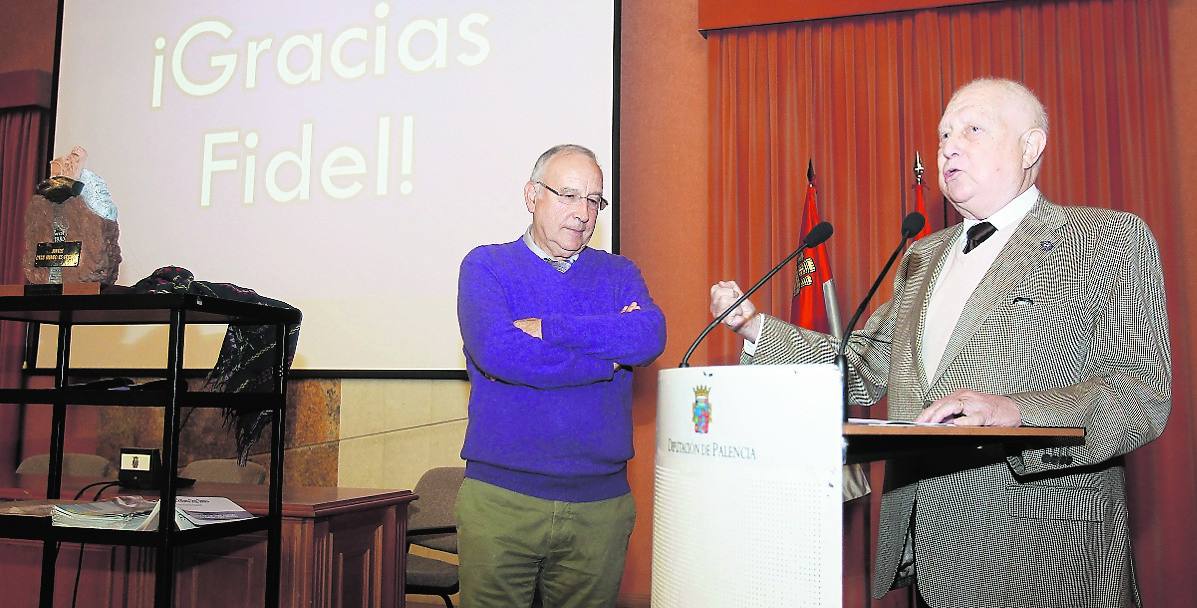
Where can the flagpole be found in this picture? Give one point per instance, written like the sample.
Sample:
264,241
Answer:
833,309
919,203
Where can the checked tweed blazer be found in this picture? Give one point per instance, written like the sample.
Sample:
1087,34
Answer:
1070,322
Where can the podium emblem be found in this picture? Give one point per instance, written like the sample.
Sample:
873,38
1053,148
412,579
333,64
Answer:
702,410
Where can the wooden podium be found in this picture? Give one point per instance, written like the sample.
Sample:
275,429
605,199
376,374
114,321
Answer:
747,506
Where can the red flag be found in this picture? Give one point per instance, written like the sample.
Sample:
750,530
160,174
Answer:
814,306
919,204
921,207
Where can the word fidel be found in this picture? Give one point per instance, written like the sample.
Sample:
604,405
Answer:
311,47
337,171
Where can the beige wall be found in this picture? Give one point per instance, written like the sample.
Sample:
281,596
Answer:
394,430
663,214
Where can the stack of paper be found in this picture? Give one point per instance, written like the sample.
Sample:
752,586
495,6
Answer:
137,513
119,513
204,510
194,511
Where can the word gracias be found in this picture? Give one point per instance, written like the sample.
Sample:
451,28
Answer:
311,47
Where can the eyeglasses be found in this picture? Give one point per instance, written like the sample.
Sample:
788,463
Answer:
594,201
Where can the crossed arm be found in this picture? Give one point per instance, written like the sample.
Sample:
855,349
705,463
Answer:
556,350
534,326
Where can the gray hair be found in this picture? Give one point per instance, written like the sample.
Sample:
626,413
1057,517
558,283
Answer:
1019,91
555,151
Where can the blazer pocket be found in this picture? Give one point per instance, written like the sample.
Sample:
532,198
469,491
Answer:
1054,502
1057,542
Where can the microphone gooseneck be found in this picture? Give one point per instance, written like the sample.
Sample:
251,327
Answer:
911,225
817,235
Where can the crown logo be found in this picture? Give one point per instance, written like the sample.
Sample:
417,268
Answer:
700,414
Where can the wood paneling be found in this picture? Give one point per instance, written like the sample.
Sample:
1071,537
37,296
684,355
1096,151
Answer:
340,548
721,14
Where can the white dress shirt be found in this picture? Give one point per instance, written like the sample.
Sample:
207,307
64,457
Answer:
961,274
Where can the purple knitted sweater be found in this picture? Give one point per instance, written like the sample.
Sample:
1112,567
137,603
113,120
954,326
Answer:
551,417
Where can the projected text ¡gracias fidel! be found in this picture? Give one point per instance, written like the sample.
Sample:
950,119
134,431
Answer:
468,30
340,167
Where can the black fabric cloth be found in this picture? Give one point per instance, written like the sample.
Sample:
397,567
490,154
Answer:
977,235
246,359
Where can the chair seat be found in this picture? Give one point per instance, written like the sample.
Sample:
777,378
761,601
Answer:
446,542
428,573
428,519
73,465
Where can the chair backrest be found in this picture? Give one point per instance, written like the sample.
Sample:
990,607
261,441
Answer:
225,470
73,465
437,492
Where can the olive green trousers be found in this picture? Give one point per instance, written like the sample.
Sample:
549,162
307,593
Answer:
515,547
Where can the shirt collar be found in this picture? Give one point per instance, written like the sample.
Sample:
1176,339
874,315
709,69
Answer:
541,253
1010,215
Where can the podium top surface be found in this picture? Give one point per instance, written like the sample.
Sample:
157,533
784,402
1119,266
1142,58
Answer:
868,442
913,430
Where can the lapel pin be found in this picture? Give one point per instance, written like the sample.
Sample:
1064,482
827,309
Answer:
1021,301
1046,245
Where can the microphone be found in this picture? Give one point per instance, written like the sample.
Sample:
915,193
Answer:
821,232
911,225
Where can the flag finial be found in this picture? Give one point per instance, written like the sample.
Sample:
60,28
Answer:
810,170
918,168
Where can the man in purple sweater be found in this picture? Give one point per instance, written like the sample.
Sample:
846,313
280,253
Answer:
551,331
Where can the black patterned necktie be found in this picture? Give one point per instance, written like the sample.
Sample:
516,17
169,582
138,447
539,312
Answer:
977,235
560,265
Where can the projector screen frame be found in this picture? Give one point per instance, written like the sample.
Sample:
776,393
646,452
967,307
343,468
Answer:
36,337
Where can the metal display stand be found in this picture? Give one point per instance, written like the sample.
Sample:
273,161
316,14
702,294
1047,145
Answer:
176,311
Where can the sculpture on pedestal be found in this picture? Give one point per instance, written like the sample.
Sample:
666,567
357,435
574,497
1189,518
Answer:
71,232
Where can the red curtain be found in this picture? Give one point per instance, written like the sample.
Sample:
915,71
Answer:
23,141
861,94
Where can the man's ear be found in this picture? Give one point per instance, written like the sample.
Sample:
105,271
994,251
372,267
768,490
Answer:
530,196
1033,144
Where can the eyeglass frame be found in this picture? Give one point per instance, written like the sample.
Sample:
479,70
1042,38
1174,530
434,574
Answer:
571,199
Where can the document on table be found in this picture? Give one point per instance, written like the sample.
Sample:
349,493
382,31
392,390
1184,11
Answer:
194,511
879,422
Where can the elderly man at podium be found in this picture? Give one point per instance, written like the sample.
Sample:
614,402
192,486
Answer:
552,329
1026,313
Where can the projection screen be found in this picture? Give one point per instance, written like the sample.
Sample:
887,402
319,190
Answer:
340,156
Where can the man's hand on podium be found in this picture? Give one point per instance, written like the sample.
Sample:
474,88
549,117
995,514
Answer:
970,408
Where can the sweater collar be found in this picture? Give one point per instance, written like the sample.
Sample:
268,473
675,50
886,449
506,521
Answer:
544,255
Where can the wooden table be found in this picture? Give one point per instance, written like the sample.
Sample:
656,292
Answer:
340,547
